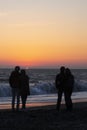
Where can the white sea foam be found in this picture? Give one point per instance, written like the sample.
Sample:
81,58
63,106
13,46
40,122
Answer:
42,81
42,88
80,85
5,90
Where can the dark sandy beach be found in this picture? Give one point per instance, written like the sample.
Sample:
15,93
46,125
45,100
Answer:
45,118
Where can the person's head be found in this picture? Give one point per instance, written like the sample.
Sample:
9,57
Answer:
17,68
23,72
62,69
68,72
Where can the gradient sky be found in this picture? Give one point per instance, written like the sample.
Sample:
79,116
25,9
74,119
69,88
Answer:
42,33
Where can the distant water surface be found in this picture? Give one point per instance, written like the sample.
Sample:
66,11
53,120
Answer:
42,81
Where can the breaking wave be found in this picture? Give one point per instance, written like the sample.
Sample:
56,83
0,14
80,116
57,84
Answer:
42,88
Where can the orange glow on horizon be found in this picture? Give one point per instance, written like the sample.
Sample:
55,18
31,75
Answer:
45,33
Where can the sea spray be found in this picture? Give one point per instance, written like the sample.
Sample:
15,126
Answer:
42,88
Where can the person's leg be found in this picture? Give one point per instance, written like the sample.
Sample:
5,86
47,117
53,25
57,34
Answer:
70,105
25,100
18,98
66,96
24,97
68,100
59,99
13,98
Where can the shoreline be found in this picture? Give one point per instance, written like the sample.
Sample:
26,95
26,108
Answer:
41,104
45,118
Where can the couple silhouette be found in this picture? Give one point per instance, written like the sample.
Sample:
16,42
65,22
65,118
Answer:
64,83
19,82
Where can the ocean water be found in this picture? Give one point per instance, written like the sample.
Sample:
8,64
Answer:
42,84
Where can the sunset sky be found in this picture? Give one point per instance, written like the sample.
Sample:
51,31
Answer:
43,33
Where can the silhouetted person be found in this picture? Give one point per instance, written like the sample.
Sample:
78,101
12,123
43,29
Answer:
60,85
25,91
69,88
14,81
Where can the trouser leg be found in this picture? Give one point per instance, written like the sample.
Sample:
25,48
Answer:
68,101
70,105
24,97
18,99
59,99
13,98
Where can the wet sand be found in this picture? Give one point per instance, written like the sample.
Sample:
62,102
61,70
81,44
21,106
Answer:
45,117
40,104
